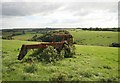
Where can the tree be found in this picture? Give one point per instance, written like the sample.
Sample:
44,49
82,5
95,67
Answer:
23,32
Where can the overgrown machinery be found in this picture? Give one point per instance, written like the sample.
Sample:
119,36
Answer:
66,39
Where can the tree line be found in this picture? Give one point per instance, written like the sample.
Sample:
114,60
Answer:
101,29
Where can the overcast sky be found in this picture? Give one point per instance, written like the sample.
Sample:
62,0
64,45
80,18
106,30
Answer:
59,14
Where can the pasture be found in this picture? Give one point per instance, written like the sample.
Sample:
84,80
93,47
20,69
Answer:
99,38
25,37
91,63
94,38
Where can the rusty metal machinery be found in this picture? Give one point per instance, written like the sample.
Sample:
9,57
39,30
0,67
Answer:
66,38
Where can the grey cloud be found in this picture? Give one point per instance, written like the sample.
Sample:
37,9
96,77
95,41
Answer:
119,14
28,8
0,9
85,8
13,12
44,8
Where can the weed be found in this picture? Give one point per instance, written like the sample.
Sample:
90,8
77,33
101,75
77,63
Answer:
106,67
59,77
30,69
86,74
112,79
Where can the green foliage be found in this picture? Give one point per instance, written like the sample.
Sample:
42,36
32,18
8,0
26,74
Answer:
69,51
86,74
101,29
49,54
62,54
30,68
48,37
115,44
59,77
34,38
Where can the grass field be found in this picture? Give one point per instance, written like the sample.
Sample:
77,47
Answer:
91,63
26,36
99,38
102,38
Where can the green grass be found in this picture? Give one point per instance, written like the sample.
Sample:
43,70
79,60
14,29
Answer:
99,38
91,63
25,36
102,38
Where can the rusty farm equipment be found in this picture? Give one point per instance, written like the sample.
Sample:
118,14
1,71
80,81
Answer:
66,39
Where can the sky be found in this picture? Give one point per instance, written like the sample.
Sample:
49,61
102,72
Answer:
61,14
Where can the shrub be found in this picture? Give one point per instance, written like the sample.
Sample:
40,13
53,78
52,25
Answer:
69,51
49,54
48,37
115,44
62,54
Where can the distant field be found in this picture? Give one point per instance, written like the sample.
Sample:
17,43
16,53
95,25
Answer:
99,38
91,63
102,38
25,36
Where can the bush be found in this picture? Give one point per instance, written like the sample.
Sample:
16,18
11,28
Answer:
69,51
62,54
48,37
49,54
115,44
